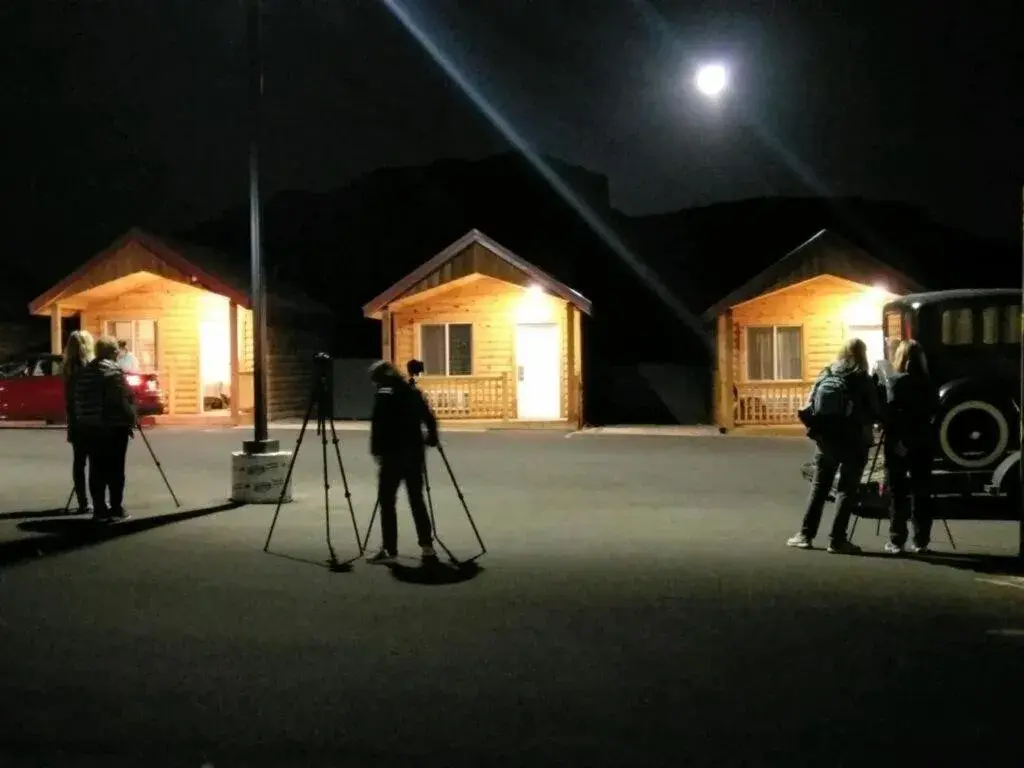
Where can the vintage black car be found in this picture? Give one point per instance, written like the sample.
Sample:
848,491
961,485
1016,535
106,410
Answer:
972,339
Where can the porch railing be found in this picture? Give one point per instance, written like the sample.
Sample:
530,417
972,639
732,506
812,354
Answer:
468,397
770,402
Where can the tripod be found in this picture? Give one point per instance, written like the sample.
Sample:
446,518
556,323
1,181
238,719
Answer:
433,520
320,400
159,466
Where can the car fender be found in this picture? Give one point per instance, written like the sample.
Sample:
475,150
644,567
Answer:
1007,474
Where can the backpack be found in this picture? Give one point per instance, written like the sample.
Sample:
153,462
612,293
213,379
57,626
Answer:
829,401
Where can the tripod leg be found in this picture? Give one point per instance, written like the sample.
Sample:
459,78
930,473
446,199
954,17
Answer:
462,498
369,527
348,493
949,533
853,528
159,467
321,429
430,509
291,468
67,507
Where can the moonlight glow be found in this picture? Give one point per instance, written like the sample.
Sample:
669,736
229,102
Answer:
712,79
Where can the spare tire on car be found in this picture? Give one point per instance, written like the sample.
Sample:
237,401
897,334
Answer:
974,434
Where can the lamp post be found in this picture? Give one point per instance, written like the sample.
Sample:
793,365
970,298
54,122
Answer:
260,443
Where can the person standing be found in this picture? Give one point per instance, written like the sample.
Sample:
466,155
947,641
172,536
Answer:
104,412
77,354
910,406
125,359
397,443
840,416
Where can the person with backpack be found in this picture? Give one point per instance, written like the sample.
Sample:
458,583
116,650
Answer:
840,415
911,402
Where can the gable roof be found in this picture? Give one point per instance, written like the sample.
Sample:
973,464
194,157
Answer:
538,275
857,265
205,268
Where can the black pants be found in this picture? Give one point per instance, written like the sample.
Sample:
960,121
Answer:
79,454
107,449
909,479
394,470
849,462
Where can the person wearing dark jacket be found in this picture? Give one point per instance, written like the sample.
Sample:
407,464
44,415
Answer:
843,442
77,355
104,413
400,412
910,406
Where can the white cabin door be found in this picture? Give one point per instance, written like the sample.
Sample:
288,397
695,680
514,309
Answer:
538,373
873,339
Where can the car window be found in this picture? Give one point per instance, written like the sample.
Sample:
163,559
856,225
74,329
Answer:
958,326
990,325
1011,325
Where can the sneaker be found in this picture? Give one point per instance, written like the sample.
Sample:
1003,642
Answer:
843,548
101,515
382,557
892,549
800,541
82,509
119,516
428,555
917,549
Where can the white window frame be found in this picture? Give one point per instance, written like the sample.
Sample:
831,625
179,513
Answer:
447,347
775,356
106,321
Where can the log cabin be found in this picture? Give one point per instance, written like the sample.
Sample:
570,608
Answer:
775,333
500,339
186,315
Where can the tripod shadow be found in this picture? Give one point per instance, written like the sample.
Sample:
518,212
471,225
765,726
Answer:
340,566
435,574
66,533
35,514
989,565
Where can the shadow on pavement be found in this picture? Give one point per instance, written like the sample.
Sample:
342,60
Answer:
435,574
334,566
992,565
35,514
67,533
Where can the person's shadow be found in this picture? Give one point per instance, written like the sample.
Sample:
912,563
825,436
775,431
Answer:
435,573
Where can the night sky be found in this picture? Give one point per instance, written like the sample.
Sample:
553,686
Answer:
127,111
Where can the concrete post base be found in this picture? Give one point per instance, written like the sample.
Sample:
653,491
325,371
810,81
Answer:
257,478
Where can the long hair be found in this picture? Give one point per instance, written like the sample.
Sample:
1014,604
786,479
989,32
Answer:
78,352
909,358
854,354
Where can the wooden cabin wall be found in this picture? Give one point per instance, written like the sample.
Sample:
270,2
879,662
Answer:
176,308
491,306
818,306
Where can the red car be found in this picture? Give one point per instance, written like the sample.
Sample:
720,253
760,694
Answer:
32,389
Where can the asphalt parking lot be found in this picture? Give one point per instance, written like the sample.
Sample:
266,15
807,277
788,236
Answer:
636,604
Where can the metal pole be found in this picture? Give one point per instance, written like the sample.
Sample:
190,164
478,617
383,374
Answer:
260,442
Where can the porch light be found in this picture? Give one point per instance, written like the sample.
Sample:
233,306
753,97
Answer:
533,306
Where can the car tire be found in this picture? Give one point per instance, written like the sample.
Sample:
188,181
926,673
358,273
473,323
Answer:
974,435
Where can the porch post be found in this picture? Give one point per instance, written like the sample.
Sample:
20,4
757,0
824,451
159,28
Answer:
385,336
56,336
570,363
725,377
233,351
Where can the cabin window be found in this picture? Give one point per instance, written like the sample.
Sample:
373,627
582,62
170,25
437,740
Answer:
447,349
140,336
958,326
775,353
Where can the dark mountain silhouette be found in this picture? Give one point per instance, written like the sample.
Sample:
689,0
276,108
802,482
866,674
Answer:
347,245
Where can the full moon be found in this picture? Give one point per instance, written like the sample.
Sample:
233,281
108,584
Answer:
712,79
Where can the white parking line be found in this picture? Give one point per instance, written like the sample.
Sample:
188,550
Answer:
1017,582
1006,632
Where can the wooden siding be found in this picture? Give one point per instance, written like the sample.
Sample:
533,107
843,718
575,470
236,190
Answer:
491,306
818,306
176,308
290,368
475,259
131,259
